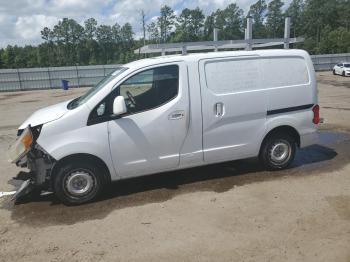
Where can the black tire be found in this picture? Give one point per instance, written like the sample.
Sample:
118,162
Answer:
79,174
268,151
334,72
343,74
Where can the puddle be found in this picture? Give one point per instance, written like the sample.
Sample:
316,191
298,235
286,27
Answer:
332,153
329,137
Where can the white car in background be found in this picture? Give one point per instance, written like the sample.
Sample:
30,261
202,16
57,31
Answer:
342,69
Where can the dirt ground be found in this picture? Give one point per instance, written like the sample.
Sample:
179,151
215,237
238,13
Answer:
228,212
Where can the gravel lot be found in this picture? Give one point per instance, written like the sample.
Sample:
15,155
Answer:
229,212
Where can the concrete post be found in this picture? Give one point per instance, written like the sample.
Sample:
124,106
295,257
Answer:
249,33
286,32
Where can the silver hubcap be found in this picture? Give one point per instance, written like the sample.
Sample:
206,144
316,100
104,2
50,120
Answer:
280,152
79,183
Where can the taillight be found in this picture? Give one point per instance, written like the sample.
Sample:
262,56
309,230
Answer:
316,110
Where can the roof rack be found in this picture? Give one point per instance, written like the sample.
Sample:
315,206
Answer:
248,43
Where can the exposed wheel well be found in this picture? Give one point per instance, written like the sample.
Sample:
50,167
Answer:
82,157
283,130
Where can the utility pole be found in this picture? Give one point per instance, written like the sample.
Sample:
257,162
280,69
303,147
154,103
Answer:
143,21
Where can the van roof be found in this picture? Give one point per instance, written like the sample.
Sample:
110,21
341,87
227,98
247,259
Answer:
192,57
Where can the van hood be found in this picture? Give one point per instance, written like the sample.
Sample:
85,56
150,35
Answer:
46,114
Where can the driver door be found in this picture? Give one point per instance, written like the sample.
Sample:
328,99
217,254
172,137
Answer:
149,137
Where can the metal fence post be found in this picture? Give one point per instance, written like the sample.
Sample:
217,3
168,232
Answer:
48,73
19,79
77,70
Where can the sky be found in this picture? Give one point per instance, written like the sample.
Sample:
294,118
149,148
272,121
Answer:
22,20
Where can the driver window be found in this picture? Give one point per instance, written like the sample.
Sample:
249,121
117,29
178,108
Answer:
150,88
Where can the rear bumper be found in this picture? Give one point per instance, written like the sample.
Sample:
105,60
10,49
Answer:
308,139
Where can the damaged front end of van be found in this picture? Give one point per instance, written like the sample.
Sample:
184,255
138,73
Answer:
26,153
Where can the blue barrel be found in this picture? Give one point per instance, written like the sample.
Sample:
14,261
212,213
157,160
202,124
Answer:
65,84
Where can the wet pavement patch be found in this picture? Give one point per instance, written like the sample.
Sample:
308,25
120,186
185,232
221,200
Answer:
338,83
332,153
29,101
341,204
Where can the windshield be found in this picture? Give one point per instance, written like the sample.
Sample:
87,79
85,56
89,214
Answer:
92,91
347,65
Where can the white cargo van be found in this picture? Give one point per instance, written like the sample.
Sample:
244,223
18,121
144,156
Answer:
170,113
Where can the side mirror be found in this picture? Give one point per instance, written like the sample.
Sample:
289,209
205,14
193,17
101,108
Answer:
119,106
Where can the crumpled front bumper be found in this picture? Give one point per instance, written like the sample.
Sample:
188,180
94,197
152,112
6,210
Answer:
40,165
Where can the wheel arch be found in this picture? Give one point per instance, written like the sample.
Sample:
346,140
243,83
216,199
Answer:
283,129
82,157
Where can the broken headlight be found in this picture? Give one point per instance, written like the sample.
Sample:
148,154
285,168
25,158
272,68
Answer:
21,146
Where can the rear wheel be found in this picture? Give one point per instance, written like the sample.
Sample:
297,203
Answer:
78,183
334,72
278,151
343,74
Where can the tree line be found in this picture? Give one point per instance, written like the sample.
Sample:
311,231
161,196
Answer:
323,23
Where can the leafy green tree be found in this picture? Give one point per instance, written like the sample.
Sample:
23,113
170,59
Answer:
344,13
8,57
335,41
233,26
229,21
1,62
104,37
274,19
165,21
189,26
323,23
90,27
153,32
258,11
209,25
317,15
126,34
295,12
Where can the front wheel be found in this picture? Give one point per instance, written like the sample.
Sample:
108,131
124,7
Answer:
334,72
278,151
343,74
78,183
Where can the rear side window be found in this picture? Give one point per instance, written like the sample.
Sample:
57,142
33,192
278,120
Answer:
239,75
151,88
227,76
284,71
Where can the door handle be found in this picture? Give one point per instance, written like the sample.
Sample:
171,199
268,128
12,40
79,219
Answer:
177,115
219,109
